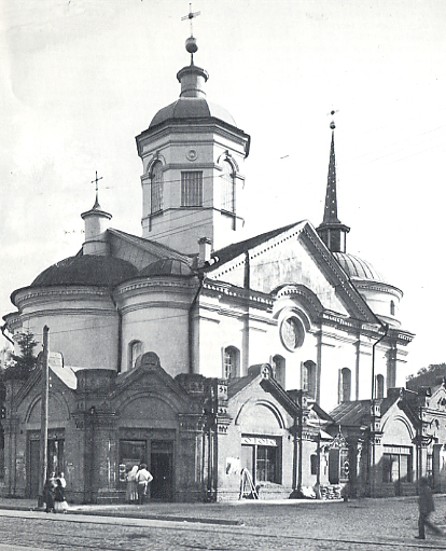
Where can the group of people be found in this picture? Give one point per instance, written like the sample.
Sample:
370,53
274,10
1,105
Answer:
54,493
138,479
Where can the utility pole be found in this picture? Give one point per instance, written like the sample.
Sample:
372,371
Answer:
44,418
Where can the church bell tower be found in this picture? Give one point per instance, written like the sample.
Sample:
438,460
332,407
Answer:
192,155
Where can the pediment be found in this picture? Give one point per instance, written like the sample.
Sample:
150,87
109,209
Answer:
297,257
149,379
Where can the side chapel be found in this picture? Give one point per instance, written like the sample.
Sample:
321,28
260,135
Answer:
212,359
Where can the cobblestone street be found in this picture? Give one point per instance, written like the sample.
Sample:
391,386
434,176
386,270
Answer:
360,524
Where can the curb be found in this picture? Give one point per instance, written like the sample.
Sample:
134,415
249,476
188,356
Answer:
118,514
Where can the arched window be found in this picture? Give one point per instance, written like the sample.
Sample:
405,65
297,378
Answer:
392,308
135,350
345,383
309,378
379,384
228,187
156,192
278,365
231,360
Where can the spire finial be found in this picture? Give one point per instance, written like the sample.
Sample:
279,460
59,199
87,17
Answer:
191,42
332,231
332,124
95,181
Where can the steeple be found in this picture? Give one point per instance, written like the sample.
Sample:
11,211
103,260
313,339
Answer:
192,155
332,231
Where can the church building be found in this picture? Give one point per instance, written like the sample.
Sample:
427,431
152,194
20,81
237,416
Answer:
232,366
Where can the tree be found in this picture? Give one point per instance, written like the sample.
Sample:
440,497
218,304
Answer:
22,364
427,376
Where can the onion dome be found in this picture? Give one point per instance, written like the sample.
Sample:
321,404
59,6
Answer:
98,271
167,267
356,267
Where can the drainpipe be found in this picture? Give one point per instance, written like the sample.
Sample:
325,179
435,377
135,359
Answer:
2,329
118,311
200,276
372,466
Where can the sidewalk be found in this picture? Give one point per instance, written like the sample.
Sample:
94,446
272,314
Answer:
225,513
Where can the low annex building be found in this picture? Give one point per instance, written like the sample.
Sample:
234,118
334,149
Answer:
211,356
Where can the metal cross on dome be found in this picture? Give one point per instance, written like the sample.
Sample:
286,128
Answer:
190,16
95,181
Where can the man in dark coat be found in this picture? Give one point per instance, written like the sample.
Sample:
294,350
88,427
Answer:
426,507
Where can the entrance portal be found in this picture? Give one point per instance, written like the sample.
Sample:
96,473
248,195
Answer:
55,462
161,467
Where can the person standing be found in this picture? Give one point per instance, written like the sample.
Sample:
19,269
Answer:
132,487
426,507
48,494
60,503
143,478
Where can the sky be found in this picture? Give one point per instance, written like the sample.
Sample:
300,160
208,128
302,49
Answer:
82,78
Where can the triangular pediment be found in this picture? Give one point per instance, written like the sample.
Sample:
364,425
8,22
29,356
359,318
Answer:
294,255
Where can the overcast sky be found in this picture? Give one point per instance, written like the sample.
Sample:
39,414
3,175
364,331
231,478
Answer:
81,78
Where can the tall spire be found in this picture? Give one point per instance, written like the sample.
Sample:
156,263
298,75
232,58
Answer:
332,231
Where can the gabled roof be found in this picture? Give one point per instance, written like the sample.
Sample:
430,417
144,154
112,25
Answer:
235,249
336,276
152,247
357,413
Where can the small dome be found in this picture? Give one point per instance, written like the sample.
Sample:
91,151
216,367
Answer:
167,267
356,267
91,270
185,109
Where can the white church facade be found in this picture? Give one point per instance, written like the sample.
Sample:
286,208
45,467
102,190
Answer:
204,355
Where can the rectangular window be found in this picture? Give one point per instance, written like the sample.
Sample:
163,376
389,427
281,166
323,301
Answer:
192,189
266,466
397,467
261,456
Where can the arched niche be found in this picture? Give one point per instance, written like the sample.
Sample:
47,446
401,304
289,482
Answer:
259,417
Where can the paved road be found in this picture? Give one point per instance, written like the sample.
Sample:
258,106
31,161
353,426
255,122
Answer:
373,525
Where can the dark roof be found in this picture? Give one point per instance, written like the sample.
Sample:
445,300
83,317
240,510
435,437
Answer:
232,251
91,270
167,266
357,412
186,108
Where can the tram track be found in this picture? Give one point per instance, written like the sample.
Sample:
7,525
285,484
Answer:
130,533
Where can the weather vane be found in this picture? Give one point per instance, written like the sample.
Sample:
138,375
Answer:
95,181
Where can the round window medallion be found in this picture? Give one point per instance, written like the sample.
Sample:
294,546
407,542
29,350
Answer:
292,333
191,155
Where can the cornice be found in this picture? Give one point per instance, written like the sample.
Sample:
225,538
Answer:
379,286
37,295
232,292
206,125
155,283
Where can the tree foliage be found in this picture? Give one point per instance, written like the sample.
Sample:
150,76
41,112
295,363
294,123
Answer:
427,376
26,361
